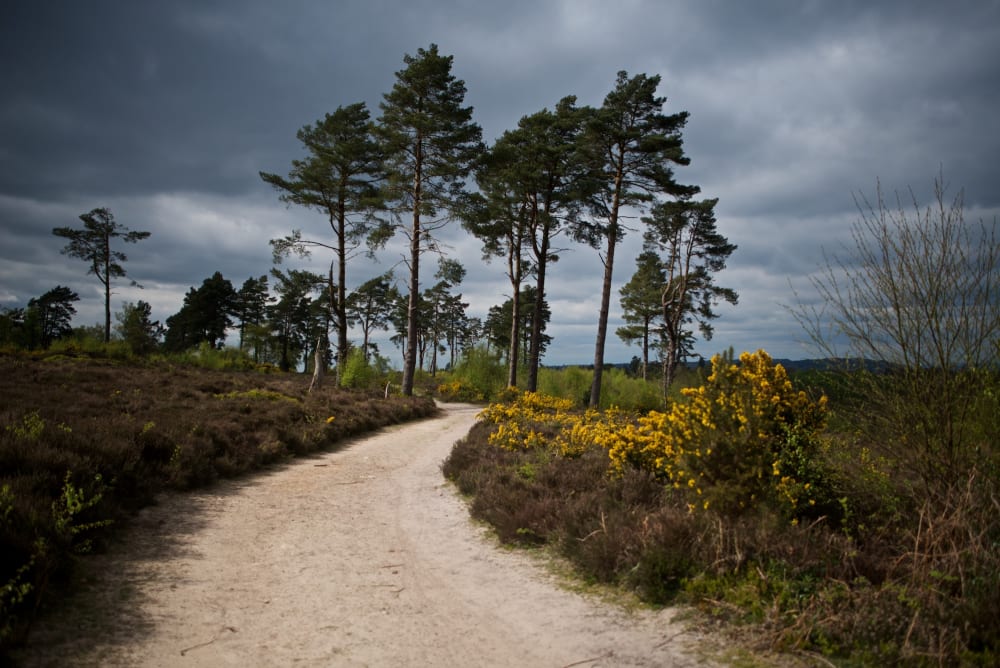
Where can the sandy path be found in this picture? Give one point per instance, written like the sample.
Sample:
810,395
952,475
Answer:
361,557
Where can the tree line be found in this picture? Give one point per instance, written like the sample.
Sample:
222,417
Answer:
572,173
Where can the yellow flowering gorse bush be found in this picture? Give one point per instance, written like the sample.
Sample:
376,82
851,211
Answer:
527,420
746,436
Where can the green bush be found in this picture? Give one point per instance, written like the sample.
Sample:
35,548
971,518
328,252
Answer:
628,393
364,374
478,376
571,382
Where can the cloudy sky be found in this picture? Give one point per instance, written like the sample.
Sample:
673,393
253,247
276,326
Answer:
165,112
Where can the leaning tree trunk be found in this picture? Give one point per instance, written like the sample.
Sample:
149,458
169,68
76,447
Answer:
319,366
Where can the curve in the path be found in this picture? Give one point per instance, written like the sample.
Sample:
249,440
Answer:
360,557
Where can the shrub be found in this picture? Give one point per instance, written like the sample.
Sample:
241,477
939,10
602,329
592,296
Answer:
361,373
570,382
620,390
744,437
478,376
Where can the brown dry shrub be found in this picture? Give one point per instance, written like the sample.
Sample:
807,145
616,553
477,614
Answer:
143,429
911,583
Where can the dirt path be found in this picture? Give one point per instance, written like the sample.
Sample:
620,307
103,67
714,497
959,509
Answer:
360,557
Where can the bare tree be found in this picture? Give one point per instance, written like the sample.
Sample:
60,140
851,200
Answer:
914,307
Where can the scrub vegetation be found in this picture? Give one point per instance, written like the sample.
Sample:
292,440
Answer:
86,441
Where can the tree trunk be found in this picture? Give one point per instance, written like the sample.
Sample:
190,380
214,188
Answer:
602,321
609,264
107,288
339,304
542,260
319,366
645,349
410,356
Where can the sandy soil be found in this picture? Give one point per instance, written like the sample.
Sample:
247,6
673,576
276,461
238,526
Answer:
360,557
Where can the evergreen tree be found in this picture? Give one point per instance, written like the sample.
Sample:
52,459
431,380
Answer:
633,145
92,244
499,216
137,329
250,308
497,328
445,311
641,303
205,315
339,178
49,316
562,178
370,307
429,143
293,317
693,252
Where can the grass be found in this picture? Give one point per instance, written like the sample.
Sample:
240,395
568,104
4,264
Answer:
85,442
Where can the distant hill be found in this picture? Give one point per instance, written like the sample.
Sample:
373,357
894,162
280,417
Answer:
792,366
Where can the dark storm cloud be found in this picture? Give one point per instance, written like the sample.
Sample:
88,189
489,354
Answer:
166,111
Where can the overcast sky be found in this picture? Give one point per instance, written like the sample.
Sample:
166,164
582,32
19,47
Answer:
165,112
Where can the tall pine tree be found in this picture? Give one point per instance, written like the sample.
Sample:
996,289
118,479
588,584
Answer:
339,178
633,145
429,142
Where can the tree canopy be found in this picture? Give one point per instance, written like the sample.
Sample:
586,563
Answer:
339,177
429,144
633,147
92,244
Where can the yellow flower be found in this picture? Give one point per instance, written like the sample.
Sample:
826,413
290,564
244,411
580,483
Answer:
330,419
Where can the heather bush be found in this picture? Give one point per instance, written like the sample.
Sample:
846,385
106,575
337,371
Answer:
85,441
741,502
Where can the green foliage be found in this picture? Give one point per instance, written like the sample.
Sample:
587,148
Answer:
257,394
30,429
571,382
618,389
136,328
16,589
478,376
204,316
631,394
429,143
72,503
361,373
92,244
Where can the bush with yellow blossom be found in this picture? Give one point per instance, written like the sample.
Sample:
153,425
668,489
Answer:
526,420
744,437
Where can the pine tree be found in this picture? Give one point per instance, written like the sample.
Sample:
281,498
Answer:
429,142
693,252
92,244
633,145
339,178
641,303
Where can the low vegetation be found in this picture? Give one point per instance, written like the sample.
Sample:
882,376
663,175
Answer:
84,441
757,501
